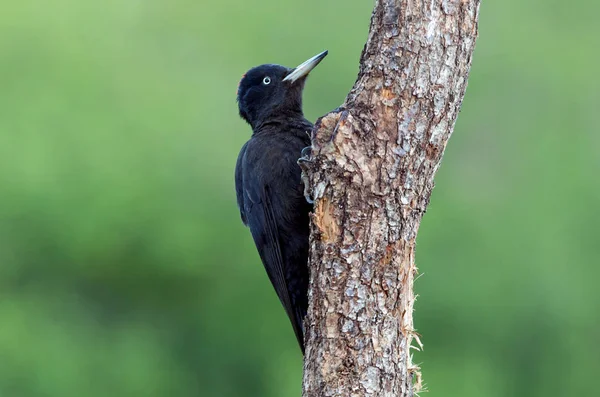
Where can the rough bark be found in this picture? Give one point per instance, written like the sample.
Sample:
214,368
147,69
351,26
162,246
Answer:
371,173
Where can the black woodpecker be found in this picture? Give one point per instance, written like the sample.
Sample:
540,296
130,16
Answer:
270,193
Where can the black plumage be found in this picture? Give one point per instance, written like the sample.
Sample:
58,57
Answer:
270,193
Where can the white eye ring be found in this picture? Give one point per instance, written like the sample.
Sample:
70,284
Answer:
267,80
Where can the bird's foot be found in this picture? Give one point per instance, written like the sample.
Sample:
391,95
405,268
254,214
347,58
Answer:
305,153
342,118
303,162
305,158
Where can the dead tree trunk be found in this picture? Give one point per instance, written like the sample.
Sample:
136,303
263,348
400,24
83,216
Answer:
371,174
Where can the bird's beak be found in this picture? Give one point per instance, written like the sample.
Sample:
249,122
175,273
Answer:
305,67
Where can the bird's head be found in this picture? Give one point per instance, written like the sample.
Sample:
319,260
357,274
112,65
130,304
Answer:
268,91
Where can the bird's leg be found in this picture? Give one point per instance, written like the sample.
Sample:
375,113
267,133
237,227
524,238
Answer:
304,162
306,154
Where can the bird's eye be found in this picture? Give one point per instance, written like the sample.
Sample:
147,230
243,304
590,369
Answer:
267,80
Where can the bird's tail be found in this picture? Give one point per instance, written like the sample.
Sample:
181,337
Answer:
298,325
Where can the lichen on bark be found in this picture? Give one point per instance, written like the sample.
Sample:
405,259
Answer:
370,172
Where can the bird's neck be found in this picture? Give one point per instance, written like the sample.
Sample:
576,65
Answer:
281,122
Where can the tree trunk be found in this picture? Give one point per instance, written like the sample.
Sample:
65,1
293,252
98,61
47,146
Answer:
371,173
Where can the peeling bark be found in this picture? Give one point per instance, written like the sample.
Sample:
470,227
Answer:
370,172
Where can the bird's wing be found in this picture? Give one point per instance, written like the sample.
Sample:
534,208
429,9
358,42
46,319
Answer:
239,183
264,227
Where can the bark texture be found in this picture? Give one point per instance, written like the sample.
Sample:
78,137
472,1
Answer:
371,173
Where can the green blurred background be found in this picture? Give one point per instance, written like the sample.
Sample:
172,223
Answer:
124,267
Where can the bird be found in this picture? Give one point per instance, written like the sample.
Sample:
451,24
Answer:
269,189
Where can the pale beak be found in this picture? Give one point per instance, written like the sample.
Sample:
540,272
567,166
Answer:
305,67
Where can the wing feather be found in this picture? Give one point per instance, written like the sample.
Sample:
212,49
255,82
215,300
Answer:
255,201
